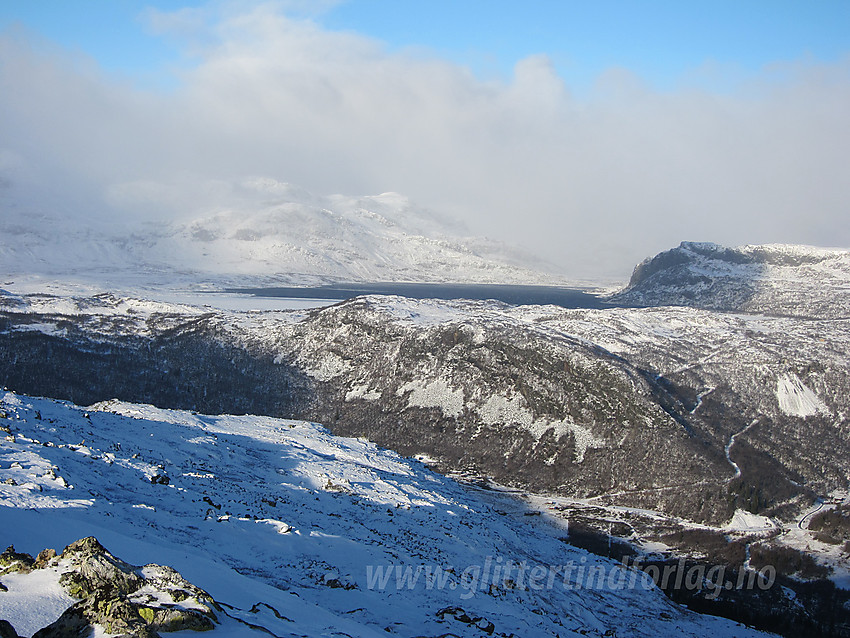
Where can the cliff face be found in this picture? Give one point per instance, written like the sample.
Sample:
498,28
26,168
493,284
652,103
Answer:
798,281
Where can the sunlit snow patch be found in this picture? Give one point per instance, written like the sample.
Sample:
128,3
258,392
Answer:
329,367
797,399
34,600
435,394
744,521
501,409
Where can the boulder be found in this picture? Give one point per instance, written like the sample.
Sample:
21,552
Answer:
12,561
123,599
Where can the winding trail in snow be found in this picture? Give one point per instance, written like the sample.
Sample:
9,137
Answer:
729,446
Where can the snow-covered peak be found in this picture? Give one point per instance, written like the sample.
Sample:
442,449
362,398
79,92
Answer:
260,231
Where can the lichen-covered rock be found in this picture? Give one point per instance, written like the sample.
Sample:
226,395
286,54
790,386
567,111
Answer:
12,561
118,616
166,579
71,624
96,570
166,620
122,599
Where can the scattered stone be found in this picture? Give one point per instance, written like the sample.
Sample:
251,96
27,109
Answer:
486,626
460,615
258,606
161,479
10,481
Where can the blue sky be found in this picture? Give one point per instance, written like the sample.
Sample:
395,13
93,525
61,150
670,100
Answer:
662,41
667,43
593,133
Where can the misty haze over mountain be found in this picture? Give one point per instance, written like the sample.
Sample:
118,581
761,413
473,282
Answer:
592,183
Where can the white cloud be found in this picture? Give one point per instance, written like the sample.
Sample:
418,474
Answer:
592,184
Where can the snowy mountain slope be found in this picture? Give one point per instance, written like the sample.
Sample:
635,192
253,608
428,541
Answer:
776,279
700,414
286,526
266,233
773,385
638,403
461,382
635,406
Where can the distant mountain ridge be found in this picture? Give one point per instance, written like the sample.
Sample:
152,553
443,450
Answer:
775,279
270,233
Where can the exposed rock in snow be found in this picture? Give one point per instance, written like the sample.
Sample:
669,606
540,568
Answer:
6,628
87,587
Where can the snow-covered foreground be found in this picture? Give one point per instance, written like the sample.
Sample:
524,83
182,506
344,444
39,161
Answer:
319,530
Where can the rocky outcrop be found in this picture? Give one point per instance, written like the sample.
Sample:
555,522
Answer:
12,561
797,281
122,599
